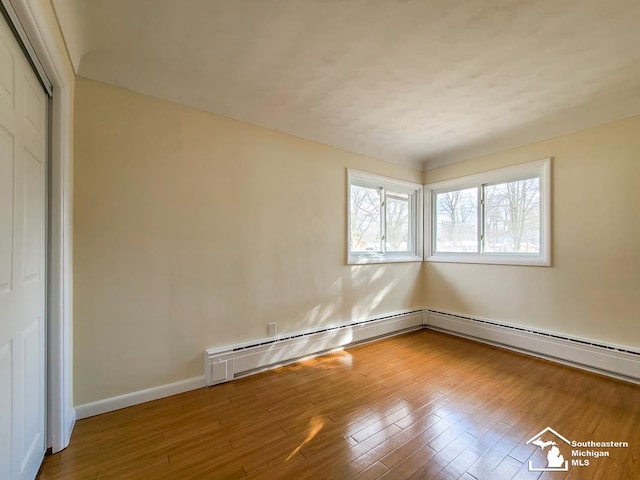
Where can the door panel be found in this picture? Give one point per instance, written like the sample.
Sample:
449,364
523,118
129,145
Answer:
33,412
33,103
32,221
6,409
6,208
22,263
7,72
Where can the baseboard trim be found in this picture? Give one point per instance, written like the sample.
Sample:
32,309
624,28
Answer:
72,416
228,363
615,361
610,360
135,398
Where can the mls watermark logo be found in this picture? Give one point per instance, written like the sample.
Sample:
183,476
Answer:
581,453
550,441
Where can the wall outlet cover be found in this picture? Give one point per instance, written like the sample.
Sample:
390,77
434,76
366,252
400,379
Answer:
271,329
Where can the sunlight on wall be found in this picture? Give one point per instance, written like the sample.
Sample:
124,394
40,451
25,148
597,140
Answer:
194,231
375,286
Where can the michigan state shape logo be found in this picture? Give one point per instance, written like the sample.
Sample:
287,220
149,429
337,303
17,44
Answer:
551,443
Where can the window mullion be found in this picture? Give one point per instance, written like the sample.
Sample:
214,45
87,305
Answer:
481,219
383,219
434,223
412,222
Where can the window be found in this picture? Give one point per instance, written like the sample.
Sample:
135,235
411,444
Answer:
500,216
385,219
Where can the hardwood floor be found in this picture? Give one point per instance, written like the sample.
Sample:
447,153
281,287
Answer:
424,405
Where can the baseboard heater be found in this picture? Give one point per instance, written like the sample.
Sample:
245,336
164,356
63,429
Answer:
227,363
612,360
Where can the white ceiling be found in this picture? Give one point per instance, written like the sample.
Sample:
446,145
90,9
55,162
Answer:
416,82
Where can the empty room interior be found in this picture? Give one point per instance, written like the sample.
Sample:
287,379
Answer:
319,239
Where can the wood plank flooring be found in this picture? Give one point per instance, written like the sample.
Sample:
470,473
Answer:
424,405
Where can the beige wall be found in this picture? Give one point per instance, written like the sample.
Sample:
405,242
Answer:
195,231
593,288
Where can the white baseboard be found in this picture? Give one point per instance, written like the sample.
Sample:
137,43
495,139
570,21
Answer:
72,416
261,357
225,364
135,398
612,360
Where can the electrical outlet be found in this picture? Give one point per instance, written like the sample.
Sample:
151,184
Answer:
271,329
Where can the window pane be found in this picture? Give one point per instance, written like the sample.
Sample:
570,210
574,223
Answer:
512,217
398,214
365,219
457,221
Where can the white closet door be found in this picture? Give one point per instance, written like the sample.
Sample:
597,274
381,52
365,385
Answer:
23,137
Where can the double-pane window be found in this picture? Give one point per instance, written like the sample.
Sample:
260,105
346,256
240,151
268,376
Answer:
384,219
500,216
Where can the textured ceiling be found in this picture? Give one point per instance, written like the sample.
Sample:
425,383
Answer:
417,82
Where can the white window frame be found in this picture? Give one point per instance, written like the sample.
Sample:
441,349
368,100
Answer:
539,169
364,179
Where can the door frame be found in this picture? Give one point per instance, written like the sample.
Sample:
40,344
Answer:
38,20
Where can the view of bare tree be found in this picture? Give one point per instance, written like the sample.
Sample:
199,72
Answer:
457,220
457,206
397,227
365,218
513,216
366,231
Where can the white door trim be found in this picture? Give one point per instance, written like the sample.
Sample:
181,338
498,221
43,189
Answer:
36,19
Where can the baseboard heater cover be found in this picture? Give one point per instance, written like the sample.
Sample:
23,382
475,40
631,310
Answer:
618,361
227,363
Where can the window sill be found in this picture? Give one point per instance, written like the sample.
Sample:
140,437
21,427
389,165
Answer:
521,260
367,259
